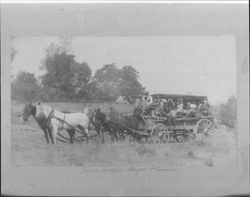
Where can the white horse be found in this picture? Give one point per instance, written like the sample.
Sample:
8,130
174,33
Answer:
58,121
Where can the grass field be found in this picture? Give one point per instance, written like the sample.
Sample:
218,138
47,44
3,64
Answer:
28,147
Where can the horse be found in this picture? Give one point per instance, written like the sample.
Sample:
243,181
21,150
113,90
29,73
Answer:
30,110
124,124
51,121
101,122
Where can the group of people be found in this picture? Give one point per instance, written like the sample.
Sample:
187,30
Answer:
173,107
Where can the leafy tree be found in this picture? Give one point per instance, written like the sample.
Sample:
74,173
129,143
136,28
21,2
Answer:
228,112
25,87
58,71
63,72
112,82
107,82
81,74
129,84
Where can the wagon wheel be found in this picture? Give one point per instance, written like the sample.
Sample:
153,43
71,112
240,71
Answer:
159,132
165,137
185,136
205,126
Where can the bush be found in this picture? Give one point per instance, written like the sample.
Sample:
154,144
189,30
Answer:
25,87
228,112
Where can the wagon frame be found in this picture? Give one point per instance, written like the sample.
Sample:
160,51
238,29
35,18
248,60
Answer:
183,129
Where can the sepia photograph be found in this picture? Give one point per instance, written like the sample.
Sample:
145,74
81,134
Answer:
142,99
123,100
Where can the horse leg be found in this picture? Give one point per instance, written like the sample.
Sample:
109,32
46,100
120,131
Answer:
98,130
116,137
54,134
50,135
102,133
102,136
87,134
110,130
71,133
111,135
139,140
46,135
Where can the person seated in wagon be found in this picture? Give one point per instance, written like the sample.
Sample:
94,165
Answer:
179,106
191,110
204,108
161,109
181,111
146,102
147,99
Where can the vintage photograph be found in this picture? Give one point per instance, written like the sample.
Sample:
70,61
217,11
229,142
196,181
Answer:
119,101
125,99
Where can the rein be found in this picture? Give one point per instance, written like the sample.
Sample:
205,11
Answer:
132,130
51,115
64,122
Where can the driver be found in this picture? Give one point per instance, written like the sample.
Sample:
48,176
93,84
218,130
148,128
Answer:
146,101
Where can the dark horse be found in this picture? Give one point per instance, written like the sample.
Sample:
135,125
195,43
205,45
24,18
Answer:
115,124
30,110
102,124
125,125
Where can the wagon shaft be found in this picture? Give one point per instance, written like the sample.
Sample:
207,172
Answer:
130,129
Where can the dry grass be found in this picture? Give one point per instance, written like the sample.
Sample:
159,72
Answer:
29,147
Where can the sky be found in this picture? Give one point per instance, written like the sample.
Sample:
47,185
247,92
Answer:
197,65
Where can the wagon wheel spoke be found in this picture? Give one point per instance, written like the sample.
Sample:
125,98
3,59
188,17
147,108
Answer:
157,132
205,126
165,137
185,137
180,138
190,137
202,126
208,125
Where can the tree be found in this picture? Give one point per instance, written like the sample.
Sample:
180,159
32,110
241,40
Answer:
129,84
228,112
81,74
63,72
112,82
25,87
107,82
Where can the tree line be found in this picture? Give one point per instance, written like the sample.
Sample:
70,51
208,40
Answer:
65,79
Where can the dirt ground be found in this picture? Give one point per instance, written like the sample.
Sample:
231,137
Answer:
28,146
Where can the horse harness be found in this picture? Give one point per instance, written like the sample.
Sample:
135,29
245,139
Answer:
52,115
48,120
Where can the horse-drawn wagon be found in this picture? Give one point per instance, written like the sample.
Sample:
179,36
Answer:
170,122
178,117
181,125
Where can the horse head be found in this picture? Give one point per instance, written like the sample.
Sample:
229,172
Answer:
99,117
29,110
42,110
